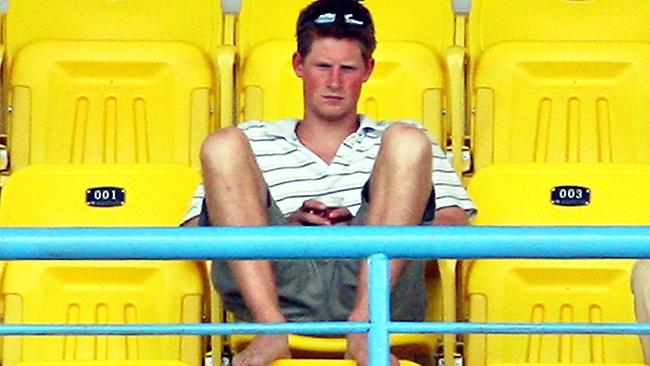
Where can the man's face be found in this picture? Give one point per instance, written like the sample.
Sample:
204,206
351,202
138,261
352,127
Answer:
332,73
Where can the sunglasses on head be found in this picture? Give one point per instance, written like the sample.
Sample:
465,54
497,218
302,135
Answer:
329,18
351,18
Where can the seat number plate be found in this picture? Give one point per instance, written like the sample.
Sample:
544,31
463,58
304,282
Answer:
570,196
105,196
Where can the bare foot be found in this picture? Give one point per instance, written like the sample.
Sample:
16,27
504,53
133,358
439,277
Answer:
264,349
358,350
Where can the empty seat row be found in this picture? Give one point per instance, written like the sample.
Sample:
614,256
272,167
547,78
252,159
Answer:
544,81
175,291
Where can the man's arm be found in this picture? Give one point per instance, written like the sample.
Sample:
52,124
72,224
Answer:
193,222
452,215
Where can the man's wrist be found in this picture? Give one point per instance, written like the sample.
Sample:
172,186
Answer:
276,317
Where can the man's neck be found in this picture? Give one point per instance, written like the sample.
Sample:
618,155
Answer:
325,137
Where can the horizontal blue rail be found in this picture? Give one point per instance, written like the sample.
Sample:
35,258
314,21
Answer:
378,244
322,242
327,328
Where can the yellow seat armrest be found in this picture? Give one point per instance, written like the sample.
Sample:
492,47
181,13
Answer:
455,57
460,33
225,61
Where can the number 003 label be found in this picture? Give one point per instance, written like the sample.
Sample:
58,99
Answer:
570,196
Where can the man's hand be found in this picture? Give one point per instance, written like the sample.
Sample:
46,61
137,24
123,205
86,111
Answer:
450,216
315,213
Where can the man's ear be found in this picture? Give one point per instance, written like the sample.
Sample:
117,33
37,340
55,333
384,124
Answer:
370,65
297,63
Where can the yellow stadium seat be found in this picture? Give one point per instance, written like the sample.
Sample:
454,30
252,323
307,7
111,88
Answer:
418,75
101,292
554,290
415,347
113,81
559,81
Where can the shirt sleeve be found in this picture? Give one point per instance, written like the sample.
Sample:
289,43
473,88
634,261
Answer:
447,185
195,205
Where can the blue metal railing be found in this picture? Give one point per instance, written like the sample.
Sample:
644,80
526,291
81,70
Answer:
379,244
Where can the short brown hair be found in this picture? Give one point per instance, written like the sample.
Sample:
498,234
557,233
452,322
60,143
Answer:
338,19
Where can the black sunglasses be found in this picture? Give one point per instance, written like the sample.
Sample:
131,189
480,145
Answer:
351,18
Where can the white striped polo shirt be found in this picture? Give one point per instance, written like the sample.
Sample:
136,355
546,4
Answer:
293,173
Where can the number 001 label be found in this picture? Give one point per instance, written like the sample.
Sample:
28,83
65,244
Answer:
105,196
570,196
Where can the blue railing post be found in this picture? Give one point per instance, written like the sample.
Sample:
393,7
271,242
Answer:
379,303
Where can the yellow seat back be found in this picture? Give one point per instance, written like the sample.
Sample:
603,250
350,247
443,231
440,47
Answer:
101,292
113,81
409,77
107,102
559,81
554,290
197,22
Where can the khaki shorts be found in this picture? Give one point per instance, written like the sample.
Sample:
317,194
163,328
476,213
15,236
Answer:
324,289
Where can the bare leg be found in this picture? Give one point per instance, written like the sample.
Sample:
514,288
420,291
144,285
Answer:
401,178
400,186
236,196
641,289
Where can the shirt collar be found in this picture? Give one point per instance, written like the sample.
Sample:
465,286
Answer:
367,124
287,128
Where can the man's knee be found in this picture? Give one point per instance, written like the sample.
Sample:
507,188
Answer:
223,143
406,142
